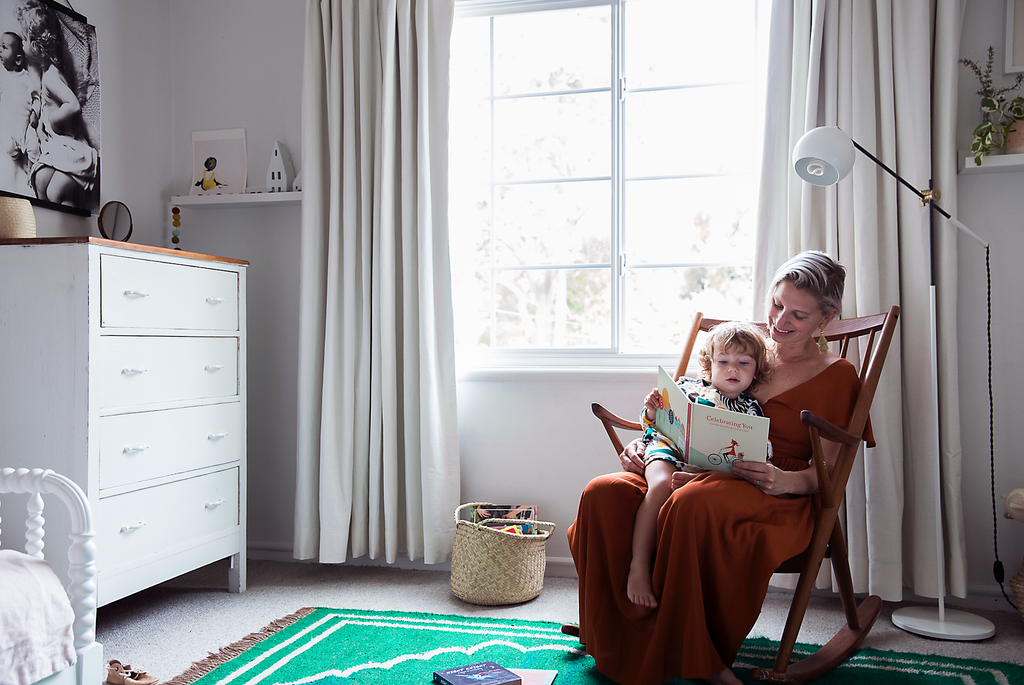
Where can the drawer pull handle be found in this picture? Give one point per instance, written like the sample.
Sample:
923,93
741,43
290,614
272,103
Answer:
214,505
216,436
132,372
127,529
129,450
135,293
214,367
215,300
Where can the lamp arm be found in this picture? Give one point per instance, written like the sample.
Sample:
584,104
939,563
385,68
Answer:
925,197
876,160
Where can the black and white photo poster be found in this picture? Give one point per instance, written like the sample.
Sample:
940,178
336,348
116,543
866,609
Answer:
49,106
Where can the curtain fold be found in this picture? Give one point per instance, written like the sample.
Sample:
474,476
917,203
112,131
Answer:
378,454
884,72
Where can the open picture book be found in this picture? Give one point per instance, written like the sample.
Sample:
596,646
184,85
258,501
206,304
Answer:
708,437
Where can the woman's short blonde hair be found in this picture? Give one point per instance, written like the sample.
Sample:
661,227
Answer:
746,336
816,273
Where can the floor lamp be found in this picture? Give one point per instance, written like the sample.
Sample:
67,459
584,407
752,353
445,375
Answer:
823,157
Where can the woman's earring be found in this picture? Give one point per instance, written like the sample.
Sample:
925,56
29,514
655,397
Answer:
822,341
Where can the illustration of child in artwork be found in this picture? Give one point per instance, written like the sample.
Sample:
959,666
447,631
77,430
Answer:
19,115
67,169
209,181
733,359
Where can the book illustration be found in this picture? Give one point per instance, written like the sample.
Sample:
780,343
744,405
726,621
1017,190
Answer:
481,673
705,436
514,512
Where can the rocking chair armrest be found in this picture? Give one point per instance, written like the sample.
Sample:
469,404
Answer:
615,420
828,430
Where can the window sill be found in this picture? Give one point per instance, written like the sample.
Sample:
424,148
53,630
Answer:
581,367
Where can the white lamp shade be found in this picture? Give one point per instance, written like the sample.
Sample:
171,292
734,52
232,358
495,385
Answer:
823,156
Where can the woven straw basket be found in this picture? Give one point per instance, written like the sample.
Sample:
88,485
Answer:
1016,583
492,567
17,220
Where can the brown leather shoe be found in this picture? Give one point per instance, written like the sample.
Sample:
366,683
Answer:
122,674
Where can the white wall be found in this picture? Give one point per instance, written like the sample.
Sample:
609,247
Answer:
171,67
241,67
992,205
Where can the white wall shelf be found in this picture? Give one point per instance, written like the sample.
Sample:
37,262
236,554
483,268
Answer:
240,200
991,163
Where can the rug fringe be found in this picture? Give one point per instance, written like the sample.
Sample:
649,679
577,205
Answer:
215,659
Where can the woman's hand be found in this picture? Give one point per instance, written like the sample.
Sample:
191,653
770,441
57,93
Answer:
632,457
764,476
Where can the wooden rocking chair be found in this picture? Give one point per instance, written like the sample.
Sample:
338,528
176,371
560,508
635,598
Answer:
827,539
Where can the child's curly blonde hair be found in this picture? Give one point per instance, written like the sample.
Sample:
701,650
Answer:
749,338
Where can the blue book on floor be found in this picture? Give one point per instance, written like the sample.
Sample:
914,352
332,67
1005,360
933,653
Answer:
482,673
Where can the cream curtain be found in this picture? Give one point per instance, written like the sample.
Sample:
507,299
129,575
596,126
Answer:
378,455
884,72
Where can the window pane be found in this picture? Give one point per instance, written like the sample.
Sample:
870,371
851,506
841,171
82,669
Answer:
559,136
536,235
660,303
690,220
691,131
552,51
552,308
677,42
470,60
471,302
553,223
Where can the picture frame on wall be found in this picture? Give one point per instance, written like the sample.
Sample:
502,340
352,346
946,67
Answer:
50,107
1014,44
218,162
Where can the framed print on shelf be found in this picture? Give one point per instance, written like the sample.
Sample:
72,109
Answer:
50,106
218,162
1014,45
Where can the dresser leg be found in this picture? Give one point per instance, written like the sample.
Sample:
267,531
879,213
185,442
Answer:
236,574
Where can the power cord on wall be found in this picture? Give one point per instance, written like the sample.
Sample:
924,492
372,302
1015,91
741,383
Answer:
997,565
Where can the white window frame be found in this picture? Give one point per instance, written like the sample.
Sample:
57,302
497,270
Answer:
541,360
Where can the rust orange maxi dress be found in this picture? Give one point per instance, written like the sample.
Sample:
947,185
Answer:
719,541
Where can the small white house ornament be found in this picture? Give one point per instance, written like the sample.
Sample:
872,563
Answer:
297,183
280,172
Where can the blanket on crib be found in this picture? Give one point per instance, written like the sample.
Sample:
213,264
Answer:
35,620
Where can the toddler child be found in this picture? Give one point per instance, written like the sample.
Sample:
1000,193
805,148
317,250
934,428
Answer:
19,104
733,359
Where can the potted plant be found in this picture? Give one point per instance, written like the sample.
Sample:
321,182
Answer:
998,114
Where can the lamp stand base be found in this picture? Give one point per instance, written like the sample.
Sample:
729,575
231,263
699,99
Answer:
957,625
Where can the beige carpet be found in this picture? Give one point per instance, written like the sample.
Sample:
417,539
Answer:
165,629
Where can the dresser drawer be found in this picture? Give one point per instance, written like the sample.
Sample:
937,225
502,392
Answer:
140,370
141,446
139,293
144,522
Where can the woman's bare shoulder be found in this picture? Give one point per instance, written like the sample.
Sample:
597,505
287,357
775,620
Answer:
789,376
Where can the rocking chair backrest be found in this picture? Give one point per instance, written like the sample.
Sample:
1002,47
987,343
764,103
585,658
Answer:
873,353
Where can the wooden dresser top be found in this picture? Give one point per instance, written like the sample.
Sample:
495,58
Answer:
117,243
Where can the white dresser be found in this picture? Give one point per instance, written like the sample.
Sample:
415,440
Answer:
123,367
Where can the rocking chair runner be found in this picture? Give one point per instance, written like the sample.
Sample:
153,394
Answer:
827,539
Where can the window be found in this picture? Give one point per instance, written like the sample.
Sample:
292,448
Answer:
603,171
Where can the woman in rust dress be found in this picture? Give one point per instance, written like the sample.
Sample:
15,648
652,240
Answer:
720,536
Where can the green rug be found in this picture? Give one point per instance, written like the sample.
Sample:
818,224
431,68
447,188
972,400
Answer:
340,646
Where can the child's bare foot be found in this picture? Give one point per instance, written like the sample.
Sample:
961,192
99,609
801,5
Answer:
639,588
725,677
681,478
